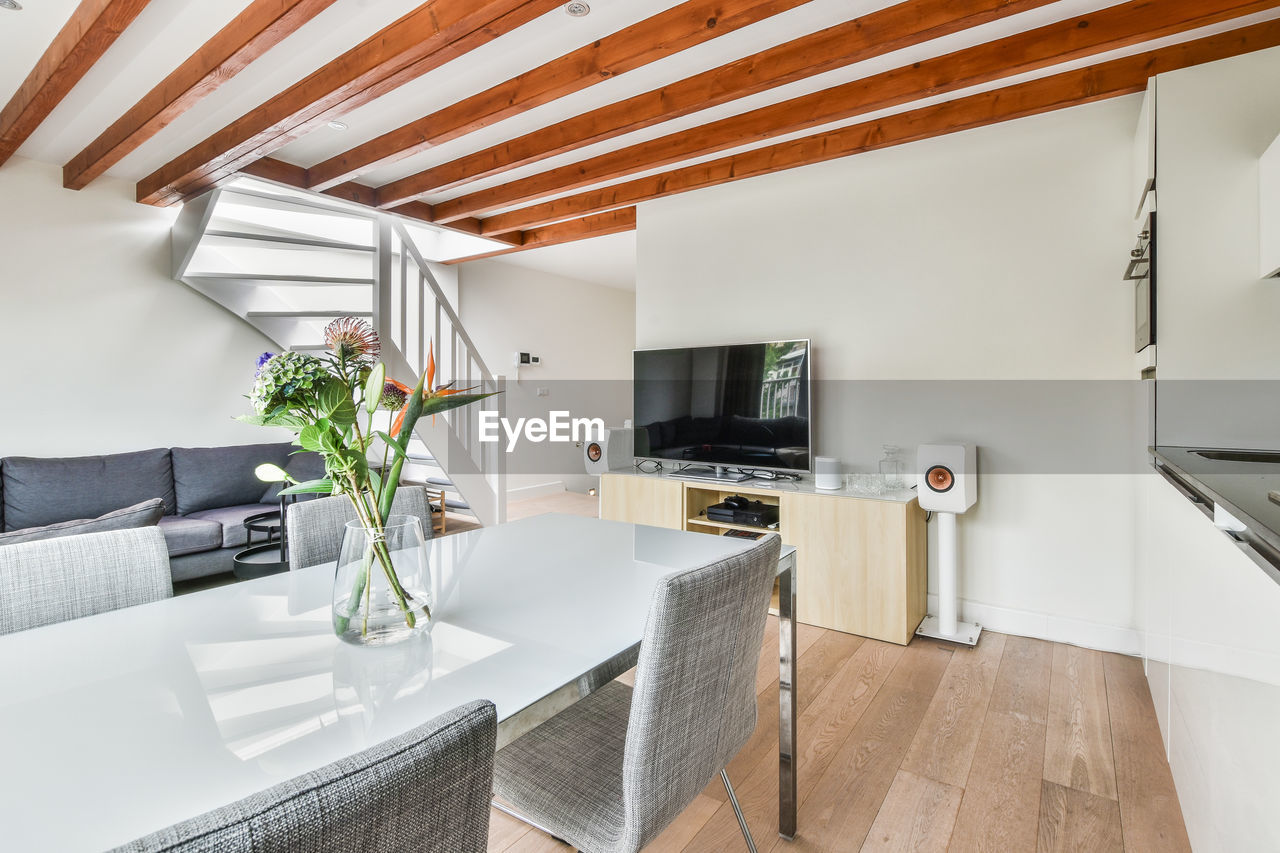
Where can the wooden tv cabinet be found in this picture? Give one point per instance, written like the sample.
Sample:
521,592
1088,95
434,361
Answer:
861,561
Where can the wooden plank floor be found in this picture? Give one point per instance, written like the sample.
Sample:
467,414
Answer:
1017,745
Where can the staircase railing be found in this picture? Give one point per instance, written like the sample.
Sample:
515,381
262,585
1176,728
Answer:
413,314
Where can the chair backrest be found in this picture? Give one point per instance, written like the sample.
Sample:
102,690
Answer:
426,791
54,580
315,528
694,703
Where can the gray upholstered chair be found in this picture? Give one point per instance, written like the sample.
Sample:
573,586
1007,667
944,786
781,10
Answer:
315,528
54,580
426,791
611,772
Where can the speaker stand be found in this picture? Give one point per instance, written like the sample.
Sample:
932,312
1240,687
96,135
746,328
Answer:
945,626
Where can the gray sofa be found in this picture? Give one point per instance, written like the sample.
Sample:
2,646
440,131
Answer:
207,493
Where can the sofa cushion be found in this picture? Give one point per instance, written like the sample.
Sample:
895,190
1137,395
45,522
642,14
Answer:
144,514
190,535
39,492
211,477
231,520
302,467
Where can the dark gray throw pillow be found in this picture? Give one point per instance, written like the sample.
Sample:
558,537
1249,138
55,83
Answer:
145,514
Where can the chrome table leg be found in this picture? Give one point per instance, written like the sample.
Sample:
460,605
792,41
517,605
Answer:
787,701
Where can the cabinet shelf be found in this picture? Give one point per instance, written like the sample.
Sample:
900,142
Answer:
724,525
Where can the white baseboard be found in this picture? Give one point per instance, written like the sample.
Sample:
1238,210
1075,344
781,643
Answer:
1044,626
537,490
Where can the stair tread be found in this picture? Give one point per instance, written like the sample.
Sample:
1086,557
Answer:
316,243
276,278
284,315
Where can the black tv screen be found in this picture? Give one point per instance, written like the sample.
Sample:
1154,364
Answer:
742,406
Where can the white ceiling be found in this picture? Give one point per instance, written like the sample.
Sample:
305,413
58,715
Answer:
170,30
610,260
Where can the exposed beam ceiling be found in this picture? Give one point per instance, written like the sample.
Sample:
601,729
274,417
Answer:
93,27
428,37
513,120
653,38
1073,88
1108,29
260,27
862,38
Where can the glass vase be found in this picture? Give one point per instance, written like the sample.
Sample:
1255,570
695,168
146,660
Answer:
381,588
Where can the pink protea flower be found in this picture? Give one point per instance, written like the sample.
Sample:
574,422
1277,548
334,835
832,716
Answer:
352,339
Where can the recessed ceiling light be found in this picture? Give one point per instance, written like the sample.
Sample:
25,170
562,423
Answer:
14,5
333,125
578,10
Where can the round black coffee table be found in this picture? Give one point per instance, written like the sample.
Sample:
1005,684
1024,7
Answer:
268,558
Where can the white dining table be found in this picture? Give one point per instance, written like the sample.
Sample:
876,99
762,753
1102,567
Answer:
119,724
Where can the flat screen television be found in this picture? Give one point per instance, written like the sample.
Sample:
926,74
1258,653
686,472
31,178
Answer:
743,407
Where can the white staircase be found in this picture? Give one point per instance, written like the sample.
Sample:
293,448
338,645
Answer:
288,262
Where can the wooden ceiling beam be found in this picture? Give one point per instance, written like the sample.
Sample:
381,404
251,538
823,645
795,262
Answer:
435,33
92,28
1069,89
260,27
272,169
868,36
666,33
1081,36
595,225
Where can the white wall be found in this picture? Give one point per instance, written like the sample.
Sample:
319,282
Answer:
990,255
583,332
106,352
1209,613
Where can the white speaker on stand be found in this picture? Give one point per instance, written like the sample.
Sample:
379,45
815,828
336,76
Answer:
615,450
948,486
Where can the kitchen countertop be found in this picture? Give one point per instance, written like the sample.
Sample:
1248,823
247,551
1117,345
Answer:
1239,488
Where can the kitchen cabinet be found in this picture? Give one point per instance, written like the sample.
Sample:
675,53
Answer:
1144,156
1213,664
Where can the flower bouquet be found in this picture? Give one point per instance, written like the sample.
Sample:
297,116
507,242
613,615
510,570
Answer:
329,402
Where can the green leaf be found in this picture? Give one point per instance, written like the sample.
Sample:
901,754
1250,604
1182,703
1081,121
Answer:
311,487
344,414
411,414
392,443
436,405
331,396
375,483
309,438
373,387
329,442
